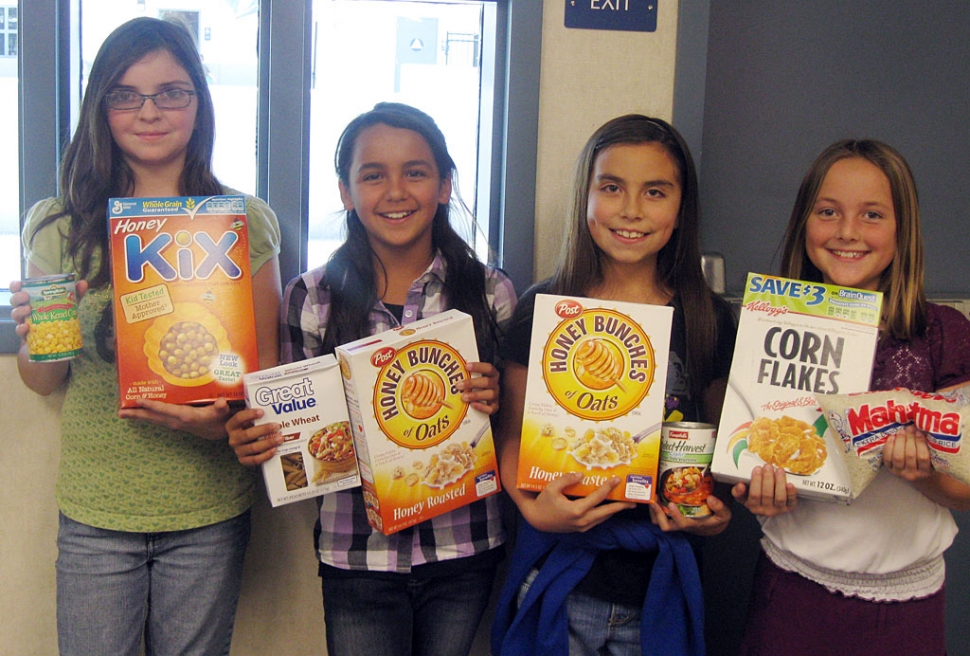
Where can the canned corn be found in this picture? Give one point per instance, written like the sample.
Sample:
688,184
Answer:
686,451
55,332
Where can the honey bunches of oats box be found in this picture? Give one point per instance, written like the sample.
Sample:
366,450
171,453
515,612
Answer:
594,397
422,450
317,454
183,299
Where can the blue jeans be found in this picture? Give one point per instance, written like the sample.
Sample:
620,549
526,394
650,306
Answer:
389,614
176,590
597,627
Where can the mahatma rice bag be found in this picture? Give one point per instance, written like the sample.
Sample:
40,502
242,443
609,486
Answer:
864,421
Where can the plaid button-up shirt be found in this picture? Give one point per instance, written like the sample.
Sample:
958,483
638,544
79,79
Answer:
346,540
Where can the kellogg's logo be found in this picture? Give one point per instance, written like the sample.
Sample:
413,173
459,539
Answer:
597,364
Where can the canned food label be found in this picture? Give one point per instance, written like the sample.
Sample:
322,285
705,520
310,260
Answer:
55,331
686,451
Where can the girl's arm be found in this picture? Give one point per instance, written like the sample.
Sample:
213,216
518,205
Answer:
549,510
209,421
907,455
481,392
41,377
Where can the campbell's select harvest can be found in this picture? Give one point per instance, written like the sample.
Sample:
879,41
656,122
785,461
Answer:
55,332
686,451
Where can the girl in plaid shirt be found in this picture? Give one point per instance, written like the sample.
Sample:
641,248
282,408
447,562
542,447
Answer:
422,590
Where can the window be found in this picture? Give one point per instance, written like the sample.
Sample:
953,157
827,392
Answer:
8,32
265,70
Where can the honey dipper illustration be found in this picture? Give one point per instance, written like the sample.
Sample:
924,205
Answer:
423,394
597,366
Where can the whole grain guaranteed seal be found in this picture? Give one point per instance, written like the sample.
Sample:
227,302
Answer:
55,331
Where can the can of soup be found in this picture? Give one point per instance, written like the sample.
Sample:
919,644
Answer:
55,332
686,451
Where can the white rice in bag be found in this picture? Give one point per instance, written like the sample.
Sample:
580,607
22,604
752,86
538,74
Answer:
865,420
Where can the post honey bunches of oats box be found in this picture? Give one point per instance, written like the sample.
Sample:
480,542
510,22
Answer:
594,398
183,300
317,454
422,451
796,340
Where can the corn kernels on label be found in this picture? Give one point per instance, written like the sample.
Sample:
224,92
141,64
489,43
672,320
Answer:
55,331
183,301
593,401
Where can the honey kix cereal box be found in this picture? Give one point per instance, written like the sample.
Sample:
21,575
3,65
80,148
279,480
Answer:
594,398
795,340
422,450
306,399
183,300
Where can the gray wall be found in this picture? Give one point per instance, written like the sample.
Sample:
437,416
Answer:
784,80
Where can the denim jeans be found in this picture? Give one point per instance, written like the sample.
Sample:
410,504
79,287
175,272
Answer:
597,627
389,614
176,590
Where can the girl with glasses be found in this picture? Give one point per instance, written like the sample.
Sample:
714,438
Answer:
154,506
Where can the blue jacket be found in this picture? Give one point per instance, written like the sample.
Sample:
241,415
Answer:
672,622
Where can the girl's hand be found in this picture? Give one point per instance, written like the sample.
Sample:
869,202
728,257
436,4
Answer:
207,421
553,512
709,525
19,309
767,494
481,391
253,445
907,455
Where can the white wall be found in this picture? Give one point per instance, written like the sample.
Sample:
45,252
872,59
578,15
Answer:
587,78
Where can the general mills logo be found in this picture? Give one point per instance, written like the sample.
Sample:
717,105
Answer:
116,207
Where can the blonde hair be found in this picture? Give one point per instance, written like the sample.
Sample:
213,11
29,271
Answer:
904,300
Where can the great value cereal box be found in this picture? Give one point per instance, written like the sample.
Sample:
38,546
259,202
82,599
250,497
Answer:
594,397
183,301
422,450
795,340
306,399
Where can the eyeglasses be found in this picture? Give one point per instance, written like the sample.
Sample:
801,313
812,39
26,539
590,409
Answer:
125,100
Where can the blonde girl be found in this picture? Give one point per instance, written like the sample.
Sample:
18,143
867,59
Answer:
870,575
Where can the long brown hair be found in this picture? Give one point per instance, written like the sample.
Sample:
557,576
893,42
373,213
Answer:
904,301
93,168
350,271
678,262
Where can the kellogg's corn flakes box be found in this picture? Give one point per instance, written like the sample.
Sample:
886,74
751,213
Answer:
183,300
594,398
317,454
795,340
422,450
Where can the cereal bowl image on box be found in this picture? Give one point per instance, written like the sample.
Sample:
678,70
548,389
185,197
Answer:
422,450
317,454
595,395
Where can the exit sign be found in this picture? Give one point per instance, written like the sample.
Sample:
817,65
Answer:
625,15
